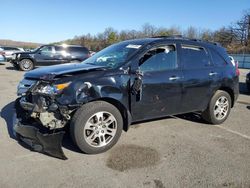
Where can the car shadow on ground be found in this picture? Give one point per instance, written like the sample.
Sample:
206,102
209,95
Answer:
7,114
194,117
11,68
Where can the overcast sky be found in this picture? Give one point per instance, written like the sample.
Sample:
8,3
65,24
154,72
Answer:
50,21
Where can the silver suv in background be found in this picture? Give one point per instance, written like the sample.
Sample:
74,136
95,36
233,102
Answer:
8,51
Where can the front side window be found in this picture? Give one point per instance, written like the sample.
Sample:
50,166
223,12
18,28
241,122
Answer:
46,49
159,58
194,57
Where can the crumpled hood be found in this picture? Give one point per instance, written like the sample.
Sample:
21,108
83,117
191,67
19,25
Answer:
50,72
22,52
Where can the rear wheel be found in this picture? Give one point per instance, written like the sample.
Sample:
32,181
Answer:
26,64
218,109
96,127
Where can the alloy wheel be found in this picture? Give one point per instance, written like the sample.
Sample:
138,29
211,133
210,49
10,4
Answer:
100,129
221,108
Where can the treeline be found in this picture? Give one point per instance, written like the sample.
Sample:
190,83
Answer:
19,44
235,37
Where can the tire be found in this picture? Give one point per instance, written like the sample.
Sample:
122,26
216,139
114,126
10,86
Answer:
26,65
218,108
88,133
248,87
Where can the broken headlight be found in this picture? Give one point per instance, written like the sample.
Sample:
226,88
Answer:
53,89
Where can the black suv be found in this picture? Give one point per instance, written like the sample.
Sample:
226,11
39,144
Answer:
248,81
49,55
127,82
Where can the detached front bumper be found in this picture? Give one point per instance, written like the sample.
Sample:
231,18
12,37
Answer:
49,144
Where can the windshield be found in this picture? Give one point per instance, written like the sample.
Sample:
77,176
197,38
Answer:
114,55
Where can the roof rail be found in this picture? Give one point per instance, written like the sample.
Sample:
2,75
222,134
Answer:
168,36
186,38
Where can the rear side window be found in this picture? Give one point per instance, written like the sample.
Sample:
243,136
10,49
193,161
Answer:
194,57
78,50
217,59
59,48
10,48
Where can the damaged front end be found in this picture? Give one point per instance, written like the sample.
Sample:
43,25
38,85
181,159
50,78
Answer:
40,119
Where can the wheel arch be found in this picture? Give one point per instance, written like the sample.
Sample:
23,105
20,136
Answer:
126,115
230,92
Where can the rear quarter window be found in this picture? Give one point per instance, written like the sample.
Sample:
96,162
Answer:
194,57
217,58
78,50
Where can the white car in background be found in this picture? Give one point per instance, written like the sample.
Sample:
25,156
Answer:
2,58
8,51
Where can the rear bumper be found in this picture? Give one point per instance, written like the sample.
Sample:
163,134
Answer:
49,144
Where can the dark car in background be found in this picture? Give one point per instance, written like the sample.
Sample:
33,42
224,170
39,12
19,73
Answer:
49,55
127,82
248,81
8,51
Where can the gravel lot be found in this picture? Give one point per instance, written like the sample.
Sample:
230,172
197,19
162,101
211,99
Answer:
180,151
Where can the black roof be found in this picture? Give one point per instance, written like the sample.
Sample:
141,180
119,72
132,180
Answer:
156,39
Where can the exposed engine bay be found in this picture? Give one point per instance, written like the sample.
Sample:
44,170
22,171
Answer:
37,107
46,112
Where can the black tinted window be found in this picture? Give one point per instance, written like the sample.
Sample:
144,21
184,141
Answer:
194,57
14,49
217,59
77,50
7,48
46,49
160,58
59,48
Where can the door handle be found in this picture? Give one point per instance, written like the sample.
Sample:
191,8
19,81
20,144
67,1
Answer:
172,78
212,73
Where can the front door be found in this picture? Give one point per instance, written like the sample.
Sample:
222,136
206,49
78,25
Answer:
160,93
45,56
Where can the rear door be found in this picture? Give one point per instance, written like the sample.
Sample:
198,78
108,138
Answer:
160,93
198,73
61,55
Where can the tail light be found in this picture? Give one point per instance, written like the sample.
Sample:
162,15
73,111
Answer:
237,68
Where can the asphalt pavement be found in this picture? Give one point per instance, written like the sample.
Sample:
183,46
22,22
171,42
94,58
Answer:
177,151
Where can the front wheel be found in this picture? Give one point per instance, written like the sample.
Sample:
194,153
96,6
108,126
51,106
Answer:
26,65
96,127
218,109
